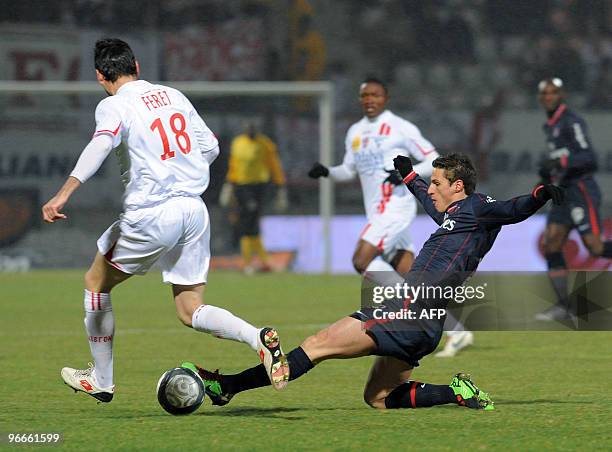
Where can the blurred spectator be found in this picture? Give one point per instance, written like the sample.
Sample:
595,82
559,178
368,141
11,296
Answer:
600,94
344,88
508,17
308,52
486,132
589,16
559,23
275,69
458,39
308,58
297,10
390,33
566,63
535,64
427,31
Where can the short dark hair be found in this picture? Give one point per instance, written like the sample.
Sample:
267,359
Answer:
458,166
376,81
114,58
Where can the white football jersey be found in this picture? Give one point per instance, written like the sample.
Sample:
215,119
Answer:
371,146
160,141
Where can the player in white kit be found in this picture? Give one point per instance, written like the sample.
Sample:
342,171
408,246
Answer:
371,145
165,150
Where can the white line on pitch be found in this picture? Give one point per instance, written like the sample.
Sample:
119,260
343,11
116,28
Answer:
130,331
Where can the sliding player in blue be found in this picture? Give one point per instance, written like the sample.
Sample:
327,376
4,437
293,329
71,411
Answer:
469,223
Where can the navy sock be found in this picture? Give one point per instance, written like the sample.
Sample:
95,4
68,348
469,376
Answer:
607,249
414,394
299,363
557,272
256,377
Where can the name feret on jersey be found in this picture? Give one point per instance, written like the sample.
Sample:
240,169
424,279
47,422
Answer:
160,140
371,145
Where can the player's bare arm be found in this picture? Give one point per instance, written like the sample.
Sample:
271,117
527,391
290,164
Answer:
51,211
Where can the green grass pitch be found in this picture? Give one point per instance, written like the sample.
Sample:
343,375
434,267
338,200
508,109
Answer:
552,390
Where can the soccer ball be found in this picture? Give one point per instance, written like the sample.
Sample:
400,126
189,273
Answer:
180,391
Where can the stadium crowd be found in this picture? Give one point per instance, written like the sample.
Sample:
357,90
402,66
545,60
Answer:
429,46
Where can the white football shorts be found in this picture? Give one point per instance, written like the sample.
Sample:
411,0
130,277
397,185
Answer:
389,233
175,233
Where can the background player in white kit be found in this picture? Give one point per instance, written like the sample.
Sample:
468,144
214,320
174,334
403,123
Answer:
371,145
165,152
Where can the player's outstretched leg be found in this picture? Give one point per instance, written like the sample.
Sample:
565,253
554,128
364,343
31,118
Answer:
344,339
83,380
462,391
212,384
221,388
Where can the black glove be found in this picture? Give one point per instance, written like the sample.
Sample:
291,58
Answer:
549,191
547,166
545,175
394,178
318,170
403,165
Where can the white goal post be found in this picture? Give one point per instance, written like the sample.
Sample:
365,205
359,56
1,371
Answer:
323,91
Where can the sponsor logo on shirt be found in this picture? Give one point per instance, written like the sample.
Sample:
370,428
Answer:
448,224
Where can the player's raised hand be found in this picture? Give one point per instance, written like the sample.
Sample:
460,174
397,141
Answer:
318,170
51,211
394,177
544,192
403,165
547,167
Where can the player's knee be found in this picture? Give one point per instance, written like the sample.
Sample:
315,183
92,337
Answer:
88,279
318,346
316,341
553,245
92,281
185,315
373,400
185,318
360,264
595,248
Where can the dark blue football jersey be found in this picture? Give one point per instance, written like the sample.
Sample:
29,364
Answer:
567,138
467,229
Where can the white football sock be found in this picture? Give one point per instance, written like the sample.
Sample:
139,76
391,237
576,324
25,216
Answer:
382,273
222,323
100,327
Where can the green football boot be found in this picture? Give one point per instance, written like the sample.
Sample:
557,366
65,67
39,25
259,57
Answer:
212,384
469,395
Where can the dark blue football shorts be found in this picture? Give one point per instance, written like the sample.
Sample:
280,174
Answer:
580,209
403,339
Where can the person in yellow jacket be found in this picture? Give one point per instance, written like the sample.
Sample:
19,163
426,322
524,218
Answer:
253,164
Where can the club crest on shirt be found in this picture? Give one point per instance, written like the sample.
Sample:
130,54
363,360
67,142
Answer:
577,214
356,143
